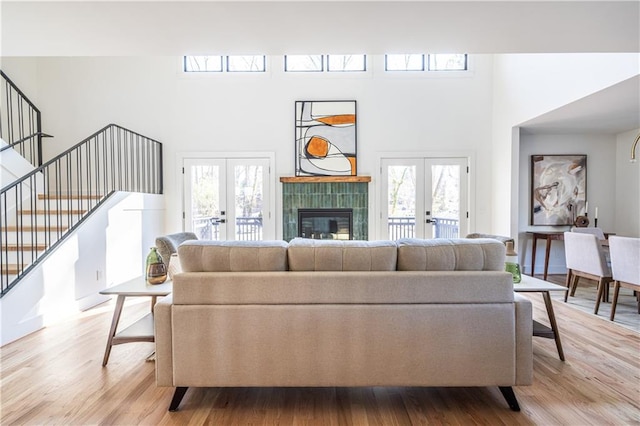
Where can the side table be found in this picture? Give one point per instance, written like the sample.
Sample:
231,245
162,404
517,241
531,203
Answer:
548,236
535,285
142,329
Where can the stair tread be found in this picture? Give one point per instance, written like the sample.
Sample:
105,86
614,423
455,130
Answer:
38,228
12,269
69,197
26,246
52,212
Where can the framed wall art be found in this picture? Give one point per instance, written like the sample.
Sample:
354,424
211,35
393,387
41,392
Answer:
325,143
558,189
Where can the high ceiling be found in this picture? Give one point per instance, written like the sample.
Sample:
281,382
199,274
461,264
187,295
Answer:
120,28
613,110
176,28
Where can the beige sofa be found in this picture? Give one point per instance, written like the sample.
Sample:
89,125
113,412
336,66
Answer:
350,313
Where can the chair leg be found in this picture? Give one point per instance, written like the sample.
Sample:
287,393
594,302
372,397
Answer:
568,284
600,296
574,285
614,302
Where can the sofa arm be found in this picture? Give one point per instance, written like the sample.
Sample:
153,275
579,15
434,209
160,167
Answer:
163,339
524,340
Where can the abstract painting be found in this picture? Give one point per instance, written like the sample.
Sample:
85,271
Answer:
325,138
558,189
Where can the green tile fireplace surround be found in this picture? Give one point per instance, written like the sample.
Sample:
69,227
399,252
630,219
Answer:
326,193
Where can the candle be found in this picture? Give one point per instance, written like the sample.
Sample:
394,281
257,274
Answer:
596,216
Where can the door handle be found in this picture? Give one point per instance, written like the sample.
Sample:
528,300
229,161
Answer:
222,221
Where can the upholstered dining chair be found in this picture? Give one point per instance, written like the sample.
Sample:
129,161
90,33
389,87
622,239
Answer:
598,232
625,267
585,259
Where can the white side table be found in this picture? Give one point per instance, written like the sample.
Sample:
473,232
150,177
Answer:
534,285
142,329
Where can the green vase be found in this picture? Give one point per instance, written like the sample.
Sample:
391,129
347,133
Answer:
511,263
156,270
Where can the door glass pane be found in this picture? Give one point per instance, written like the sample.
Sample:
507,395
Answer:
402,201
205,201
248,202
445,206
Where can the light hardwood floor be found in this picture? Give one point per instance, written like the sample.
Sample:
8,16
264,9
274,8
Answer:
54,376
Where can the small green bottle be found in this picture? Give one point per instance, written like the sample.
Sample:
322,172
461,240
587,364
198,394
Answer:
511,263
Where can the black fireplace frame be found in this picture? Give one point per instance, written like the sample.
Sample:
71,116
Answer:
325,212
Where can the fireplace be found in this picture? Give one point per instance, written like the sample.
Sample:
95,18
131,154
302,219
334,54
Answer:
338,193
325,224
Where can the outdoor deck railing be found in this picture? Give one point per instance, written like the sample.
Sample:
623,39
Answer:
404,227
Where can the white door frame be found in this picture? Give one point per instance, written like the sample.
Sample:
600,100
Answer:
270,216
378,218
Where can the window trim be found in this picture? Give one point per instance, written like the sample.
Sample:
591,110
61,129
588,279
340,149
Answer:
364,59
386,63
466,63
322,67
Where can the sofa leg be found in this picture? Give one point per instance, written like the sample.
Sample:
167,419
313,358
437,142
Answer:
177,398
508,394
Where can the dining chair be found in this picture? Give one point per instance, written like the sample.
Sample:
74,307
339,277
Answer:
585,259
625,267
598,232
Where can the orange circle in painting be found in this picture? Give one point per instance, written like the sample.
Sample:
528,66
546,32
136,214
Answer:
318,147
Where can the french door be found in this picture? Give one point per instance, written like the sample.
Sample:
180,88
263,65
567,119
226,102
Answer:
424,198
228,198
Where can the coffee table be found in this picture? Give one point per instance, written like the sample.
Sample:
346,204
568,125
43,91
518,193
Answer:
142,329
534,285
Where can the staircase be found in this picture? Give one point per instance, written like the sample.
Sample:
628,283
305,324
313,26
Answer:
41,208
29,232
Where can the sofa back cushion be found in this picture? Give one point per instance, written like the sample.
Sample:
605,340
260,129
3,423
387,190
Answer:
331,255
233,256
450,255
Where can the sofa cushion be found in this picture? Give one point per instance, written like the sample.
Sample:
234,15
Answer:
450,255
233,256
330,255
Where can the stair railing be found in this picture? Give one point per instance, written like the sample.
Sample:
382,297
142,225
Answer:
40,209
20,122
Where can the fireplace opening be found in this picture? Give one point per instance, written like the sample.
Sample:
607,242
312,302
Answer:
325,224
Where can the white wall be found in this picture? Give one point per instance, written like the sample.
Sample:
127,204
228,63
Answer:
601,179
110,248
240,112
627,215
526,86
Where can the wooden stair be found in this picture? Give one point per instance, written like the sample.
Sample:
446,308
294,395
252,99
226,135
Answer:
40,226
26,247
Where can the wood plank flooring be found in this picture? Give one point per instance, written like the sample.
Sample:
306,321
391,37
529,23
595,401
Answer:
54,376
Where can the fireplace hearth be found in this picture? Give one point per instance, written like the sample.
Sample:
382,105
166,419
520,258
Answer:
325,224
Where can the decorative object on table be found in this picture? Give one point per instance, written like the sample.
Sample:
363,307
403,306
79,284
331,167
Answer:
633,149
325,138
581,222
156,271
558,189
511,263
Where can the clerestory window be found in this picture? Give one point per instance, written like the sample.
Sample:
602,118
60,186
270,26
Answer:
219,63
